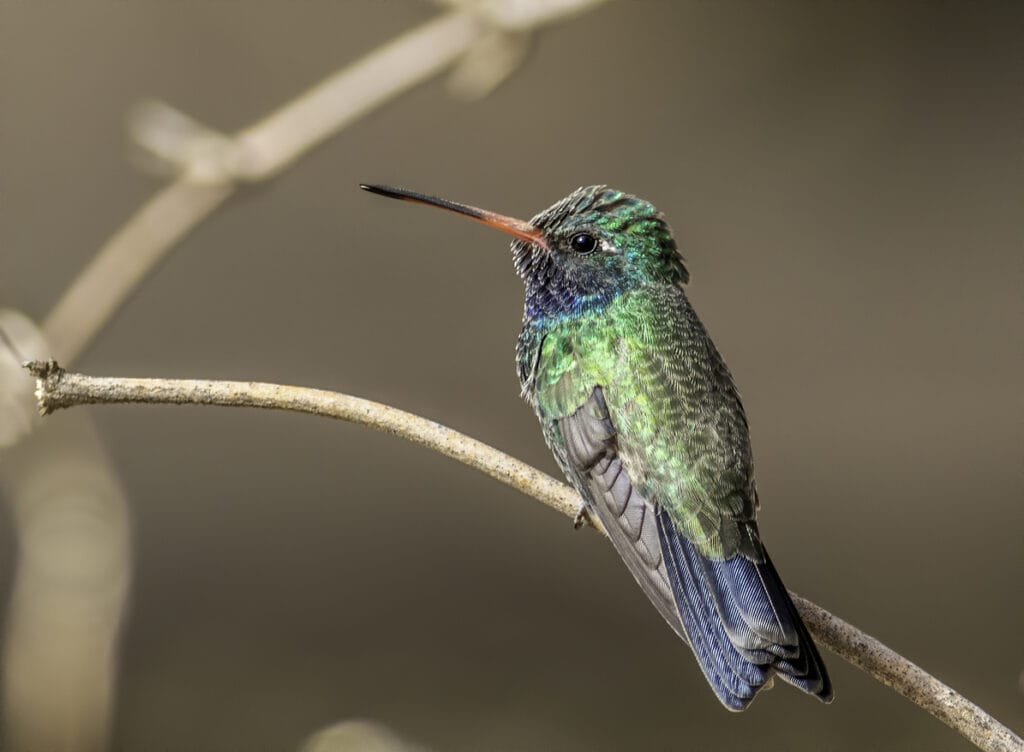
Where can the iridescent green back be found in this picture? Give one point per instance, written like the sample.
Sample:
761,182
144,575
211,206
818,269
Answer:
682,431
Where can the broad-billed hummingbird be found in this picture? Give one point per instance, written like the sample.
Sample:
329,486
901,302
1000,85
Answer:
643,417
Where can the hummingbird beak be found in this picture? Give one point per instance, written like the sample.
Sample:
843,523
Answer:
516,227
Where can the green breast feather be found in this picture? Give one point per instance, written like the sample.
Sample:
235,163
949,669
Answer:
681,429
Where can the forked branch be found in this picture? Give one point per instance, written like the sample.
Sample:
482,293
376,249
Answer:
56,389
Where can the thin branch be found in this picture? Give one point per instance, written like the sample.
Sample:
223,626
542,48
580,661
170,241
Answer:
907,678
56,389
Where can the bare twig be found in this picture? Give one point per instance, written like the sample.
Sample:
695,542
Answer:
907,678
56,389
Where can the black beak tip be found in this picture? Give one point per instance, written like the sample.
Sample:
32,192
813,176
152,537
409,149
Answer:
404,194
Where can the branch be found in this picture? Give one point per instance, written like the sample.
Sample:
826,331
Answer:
56,389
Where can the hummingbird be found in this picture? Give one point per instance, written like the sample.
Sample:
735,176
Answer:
643,417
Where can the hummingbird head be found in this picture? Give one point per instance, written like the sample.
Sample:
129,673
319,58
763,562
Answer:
599,242
583,251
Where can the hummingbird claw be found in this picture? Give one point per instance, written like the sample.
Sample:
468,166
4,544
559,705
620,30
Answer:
582,517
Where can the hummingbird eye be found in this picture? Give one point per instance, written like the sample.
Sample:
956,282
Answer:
583,243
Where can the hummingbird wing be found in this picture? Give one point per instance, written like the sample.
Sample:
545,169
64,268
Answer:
586,451
659,446
734,613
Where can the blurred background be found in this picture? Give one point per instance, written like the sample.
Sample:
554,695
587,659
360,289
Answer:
845,182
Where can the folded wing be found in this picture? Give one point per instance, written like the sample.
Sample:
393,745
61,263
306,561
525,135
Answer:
734,612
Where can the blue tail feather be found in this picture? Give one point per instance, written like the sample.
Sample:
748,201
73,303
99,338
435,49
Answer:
705,630
751,619
742,624
750,673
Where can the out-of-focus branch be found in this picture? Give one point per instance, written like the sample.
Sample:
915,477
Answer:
56,389
71,518
209,166
64,618
207,177
72,569
358,736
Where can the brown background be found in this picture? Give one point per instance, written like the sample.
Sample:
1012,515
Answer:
845,181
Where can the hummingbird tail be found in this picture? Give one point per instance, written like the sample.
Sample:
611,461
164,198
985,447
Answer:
742,624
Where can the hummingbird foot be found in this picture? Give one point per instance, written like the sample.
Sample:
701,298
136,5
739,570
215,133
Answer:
582,517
